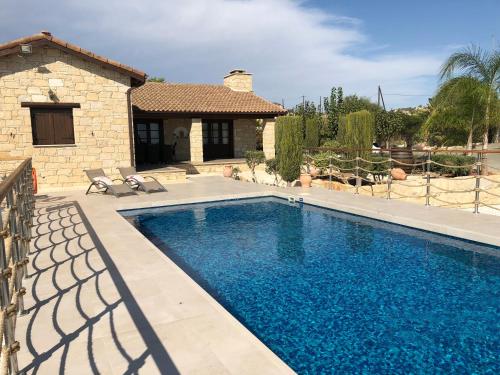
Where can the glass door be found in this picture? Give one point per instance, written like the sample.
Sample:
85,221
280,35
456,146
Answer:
217,139
148,137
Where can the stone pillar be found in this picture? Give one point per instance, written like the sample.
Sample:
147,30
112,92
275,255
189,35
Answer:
268,138
196,141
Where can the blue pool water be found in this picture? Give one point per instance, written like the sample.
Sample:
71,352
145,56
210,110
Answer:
331,292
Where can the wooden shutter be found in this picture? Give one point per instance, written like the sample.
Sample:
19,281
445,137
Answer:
63,127
43,129
52,126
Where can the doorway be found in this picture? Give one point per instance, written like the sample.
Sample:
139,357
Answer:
217,139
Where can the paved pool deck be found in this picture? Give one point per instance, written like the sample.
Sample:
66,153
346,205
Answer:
102,299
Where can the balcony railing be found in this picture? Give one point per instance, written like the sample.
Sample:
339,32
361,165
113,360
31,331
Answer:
16,214
361,169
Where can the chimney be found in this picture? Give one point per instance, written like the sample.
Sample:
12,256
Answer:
239,80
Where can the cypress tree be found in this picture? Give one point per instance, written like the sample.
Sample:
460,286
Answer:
289,147
312,132
356,131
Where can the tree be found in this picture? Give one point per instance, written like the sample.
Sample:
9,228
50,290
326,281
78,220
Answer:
474,62
458,111
307,110
289,149
312,132
412,125
387,125
354,103
333,108
356,131
156,79
253,159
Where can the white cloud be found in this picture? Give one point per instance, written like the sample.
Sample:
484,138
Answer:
292,49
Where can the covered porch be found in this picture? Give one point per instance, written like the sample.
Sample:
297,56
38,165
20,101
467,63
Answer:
192,142
193,124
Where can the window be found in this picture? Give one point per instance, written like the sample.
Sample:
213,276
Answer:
52,126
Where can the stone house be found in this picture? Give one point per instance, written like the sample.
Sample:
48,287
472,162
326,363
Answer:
72,110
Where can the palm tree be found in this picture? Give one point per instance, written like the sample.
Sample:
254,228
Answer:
474,62
461,101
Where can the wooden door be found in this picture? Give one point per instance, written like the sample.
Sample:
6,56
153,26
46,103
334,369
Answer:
148,135
217,139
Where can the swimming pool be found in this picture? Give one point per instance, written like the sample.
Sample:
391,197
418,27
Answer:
330,291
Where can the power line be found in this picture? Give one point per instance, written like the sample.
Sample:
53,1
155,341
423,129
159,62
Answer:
409,94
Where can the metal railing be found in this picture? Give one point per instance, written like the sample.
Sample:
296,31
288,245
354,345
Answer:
360,168
16,220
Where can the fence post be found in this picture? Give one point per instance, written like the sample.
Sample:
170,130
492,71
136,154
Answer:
478,183
389,176
357,172
428,180
330,171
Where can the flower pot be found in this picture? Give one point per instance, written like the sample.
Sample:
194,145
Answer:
228,171
398,174
305,180
313,171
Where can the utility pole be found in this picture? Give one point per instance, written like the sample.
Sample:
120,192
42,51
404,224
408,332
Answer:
380,98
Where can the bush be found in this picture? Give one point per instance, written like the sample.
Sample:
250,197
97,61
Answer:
312,132
322,160
449,159
289,147
272,169
254,158
331,143
356,131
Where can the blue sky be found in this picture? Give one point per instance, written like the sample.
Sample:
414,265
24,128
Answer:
292,47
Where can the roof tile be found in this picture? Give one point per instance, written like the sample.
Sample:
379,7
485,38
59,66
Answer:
199,98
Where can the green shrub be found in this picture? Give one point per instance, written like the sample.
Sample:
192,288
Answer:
322,160
272,169
289,147
449,159
253,159
356,131
312,132
331,143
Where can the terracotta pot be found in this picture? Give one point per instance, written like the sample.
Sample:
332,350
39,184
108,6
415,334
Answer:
398,174
228,171
305,180
313,171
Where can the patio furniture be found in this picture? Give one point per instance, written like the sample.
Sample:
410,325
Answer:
104,184
137,181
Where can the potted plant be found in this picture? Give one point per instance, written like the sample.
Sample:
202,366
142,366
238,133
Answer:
305,178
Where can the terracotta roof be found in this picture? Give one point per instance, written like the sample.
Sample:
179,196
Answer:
199,98
46,38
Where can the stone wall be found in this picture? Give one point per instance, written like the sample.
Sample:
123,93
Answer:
269,138
245,136
101,124
196,141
